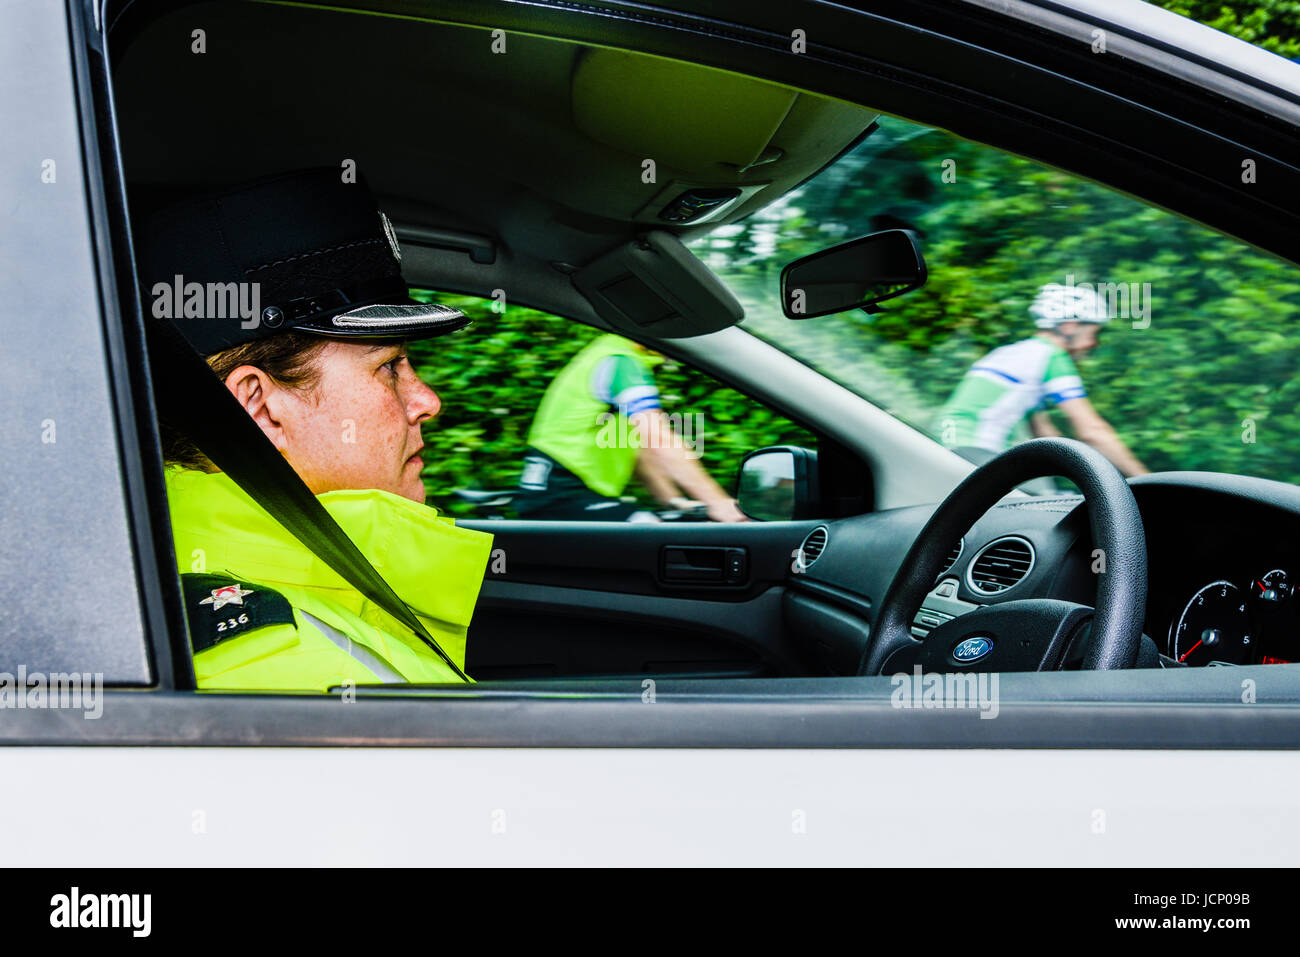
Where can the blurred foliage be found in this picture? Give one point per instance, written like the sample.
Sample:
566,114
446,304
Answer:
1271,24
1218,359
491,378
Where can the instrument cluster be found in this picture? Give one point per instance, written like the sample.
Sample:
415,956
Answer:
1239,622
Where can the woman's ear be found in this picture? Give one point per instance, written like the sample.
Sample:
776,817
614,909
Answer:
259,394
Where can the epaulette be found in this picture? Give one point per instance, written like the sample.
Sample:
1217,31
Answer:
220,607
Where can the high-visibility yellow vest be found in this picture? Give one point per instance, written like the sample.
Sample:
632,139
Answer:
580,431
266,613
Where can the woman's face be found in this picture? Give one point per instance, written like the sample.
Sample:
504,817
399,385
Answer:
358,427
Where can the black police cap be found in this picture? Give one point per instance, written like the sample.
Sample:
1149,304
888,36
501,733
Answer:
300,251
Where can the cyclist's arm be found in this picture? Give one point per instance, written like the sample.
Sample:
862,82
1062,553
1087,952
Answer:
1090,427
1042,426
656,481
621,382
664,462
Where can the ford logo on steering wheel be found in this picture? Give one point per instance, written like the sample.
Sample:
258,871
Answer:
972,649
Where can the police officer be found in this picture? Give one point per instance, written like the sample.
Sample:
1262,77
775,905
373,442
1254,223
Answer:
291,287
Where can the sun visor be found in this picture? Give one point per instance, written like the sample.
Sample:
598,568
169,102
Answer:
685,116
655,285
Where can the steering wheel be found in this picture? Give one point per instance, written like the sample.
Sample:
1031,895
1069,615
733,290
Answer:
1031,634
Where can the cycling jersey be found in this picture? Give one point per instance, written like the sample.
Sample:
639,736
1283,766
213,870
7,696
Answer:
624,384
1002,389
582,421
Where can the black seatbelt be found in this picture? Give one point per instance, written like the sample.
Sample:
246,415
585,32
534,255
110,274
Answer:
196,402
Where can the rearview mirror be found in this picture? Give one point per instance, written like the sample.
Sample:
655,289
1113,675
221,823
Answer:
778,484
856,274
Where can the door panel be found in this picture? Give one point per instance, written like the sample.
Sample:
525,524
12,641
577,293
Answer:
591,598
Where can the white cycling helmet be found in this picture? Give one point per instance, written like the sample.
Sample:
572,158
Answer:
1056,304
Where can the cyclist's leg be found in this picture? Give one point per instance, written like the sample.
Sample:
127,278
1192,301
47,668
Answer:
578,505
551,492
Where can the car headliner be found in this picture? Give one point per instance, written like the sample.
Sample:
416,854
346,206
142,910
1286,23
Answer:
537,152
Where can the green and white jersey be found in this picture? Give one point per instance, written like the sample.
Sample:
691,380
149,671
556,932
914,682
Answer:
1002,389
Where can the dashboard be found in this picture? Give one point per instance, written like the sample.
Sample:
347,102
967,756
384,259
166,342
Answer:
1223,567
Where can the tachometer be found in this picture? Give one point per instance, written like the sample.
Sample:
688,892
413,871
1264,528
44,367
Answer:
1214,627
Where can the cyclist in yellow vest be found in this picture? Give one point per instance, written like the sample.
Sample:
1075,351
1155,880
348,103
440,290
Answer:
319,362
599,422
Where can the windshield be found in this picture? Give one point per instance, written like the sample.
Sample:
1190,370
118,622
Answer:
1053,306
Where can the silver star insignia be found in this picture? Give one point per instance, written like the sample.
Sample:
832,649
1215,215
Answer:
226,595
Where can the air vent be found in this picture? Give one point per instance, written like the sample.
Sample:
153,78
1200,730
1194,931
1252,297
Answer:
1000,565
953,556
814,545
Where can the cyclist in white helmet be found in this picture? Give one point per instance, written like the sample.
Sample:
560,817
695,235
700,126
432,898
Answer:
1017,382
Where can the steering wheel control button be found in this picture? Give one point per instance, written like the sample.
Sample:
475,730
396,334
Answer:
927,620
972,649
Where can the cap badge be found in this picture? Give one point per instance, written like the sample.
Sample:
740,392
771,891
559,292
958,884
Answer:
392,237
227,595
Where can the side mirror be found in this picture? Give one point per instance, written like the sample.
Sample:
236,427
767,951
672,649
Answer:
859,273
778,484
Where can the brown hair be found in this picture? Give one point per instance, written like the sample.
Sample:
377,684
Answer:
288,358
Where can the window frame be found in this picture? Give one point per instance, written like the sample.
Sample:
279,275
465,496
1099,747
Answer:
160,595
1093,710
